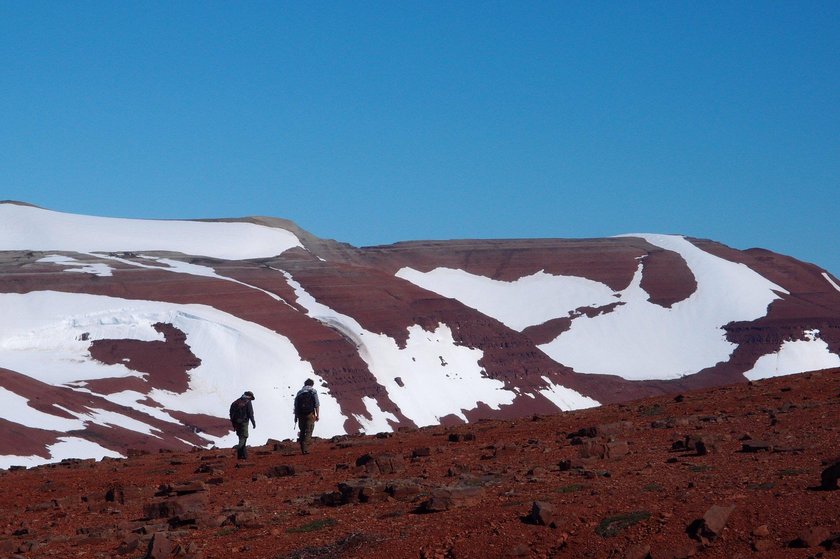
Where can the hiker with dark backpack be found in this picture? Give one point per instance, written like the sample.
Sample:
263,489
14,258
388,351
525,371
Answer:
241,412
306,413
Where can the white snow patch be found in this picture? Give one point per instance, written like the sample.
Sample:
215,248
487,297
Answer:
14,407
112,419
29,228
41,336
66,447
97,269
567,399
795,356
640,340
131,399
831,281
178,267
637,340
439,377
527,301
379,419
49,332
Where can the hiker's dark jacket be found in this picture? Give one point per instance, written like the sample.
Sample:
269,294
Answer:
249,407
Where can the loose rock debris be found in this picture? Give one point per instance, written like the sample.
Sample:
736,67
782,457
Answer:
713,474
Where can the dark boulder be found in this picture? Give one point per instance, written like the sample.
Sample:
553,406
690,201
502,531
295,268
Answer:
830,475
707,529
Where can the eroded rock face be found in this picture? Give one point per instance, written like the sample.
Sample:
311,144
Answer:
165,363
476,329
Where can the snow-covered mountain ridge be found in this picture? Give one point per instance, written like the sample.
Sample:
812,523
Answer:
121,334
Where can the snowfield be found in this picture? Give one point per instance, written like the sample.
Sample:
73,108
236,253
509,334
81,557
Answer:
65,448
637,340
565,398
46,335
36,229
71,264
437,377
528,301
43,338
810,354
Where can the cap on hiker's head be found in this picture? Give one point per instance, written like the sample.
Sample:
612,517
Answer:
249,394
309,382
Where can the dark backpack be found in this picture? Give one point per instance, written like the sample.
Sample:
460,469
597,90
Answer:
239,411
305,403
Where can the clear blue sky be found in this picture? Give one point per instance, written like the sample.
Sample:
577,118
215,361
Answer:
374,122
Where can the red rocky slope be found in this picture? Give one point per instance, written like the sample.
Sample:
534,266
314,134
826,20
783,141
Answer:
361,285
746,470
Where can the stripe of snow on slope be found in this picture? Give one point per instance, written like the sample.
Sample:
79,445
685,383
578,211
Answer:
178,267
13,407
236,355
111,419
527,301
795,356
640,340
97,269
379,421
29,228
42,334
65,448
831,281
133,399
565,398
431,390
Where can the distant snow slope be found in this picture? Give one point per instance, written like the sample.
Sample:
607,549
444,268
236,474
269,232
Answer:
437,376
41,337
810,354
831,281
65,448
637,340
527,301
30,228
448,367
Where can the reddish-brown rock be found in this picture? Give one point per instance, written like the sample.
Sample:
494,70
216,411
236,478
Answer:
361,284
477,508
811,536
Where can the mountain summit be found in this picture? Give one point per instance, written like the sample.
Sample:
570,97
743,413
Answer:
122,334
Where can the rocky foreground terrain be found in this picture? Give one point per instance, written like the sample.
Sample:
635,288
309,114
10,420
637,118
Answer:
747,470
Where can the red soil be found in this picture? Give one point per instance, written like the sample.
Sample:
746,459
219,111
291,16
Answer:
630,490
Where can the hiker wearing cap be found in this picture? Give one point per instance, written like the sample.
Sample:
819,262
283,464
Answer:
306,411
241,412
